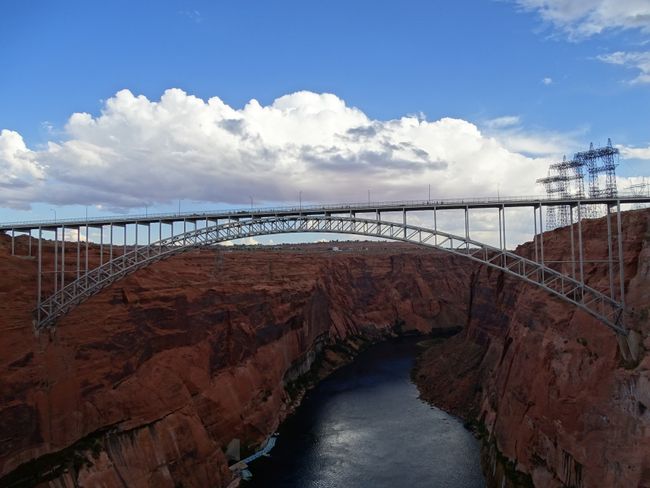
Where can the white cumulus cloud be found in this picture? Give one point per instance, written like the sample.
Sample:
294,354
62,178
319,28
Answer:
139,151
20,172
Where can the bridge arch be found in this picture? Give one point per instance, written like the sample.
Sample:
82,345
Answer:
562,286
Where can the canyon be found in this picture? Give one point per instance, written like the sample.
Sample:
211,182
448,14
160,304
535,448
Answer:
148,382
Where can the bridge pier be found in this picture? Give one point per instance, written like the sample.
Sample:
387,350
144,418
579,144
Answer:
435,226
610,264
86,256
40,276
101,245
78,252
621,262
541,239
63,257
110,247
56,259
581,265
535,238
573,247
124,237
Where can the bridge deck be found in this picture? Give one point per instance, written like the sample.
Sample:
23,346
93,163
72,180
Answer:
333,209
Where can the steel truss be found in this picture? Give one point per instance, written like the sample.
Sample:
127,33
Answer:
569,289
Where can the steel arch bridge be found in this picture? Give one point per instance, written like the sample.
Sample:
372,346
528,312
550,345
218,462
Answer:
569,289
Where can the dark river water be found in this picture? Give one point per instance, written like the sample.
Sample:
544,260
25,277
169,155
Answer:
365,426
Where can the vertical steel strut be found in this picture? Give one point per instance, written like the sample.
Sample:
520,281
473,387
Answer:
621,262
610,264
580,254
573,249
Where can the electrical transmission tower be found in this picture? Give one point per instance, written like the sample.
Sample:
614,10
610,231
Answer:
566,180
598,161
556,186
640,190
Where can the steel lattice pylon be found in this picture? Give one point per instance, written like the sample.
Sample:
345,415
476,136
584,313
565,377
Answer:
566,288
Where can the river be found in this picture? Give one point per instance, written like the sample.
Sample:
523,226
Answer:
364,426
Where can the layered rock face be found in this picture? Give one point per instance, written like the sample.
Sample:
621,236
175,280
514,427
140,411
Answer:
146,383
544,382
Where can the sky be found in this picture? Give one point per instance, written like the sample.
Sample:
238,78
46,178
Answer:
134,106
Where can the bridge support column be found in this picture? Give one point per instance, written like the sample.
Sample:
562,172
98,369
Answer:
29,243
110,248
40,276
78,252
621,262
101,245
435,226
535,238
62,257
573,250
56,259
505,244
610,264
502,233
541,239
13,245
404,221
86,256
580,253
467,227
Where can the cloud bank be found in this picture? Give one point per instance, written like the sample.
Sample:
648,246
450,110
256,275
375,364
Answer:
138,151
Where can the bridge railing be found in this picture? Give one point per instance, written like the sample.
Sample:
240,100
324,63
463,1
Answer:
198,215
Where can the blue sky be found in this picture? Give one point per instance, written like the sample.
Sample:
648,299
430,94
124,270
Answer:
480,62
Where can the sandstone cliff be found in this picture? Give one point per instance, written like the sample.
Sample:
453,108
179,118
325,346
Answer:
545,383
147,383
